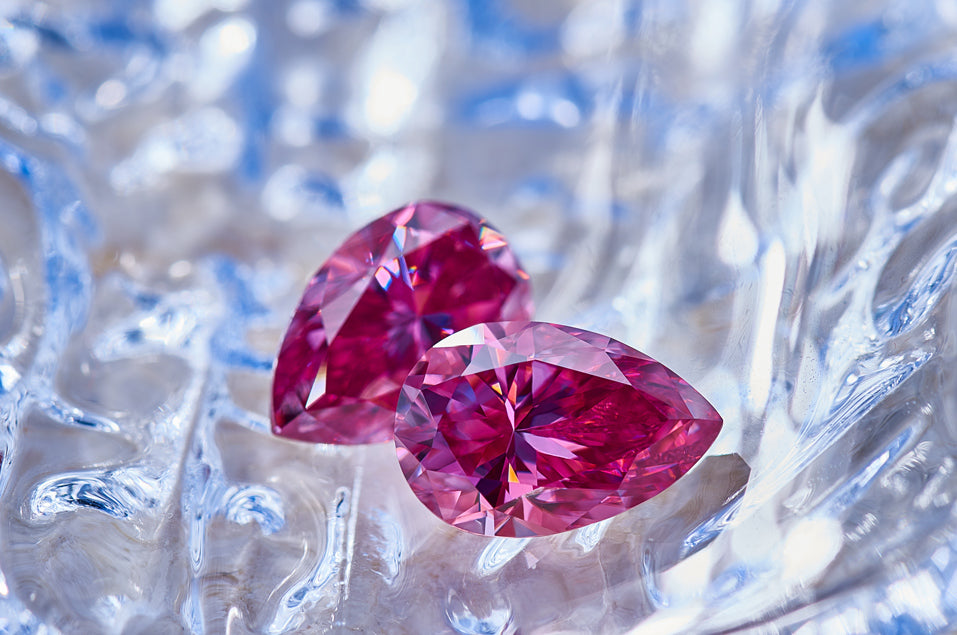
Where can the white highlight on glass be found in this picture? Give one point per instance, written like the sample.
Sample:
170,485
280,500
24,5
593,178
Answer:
309,18
205,141
809,547
224,51
179,14
388,178
772,288
737,236
594,28
110,94
302,84
715,35
398,63
20,43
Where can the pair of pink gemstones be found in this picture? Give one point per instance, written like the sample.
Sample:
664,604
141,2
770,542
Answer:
416,330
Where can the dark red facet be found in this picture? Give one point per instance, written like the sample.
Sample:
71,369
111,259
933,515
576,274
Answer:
391,291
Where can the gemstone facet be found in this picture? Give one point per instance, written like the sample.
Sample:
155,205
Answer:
528,428
392,290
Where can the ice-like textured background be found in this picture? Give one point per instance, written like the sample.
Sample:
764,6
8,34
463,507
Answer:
761,194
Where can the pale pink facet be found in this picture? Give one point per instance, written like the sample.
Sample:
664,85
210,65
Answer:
528,428
391,291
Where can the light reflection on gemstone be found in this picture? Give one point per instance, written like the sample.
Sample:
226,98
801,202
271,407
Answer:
534,428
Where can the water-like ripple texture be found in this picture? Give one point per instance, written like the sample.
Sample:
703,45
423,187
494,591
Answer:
762,195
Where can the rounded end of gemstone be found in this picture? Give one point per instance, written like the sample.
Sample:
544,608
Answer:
531,429
385,296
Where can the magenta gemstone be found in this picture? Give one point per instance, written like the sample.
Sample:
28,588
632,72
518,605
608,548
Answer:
529,429
392,290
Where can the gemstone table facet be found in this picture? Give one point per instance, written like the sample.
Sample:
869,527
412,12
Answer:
528,428
390,291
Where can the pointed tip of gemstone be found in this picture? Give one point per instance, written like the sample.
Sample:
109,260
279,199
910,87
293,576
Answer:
385,296
529,428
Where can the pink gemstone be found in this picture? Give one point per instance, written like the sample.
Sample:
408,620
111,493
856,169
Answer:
391,291
529,429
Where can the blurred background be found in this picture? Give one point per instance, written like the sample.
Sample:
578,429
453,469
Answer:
758,193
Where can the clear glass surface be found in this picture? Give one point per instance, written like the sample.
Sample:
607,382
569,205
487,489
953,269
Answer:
759,194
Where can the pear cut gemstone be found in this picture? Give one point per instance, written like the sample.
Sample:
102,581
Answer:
530,429
386,295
